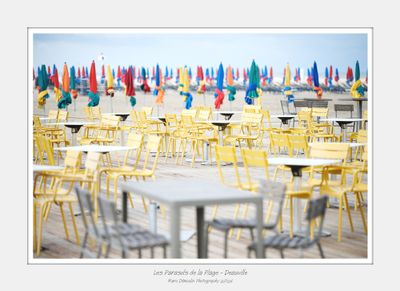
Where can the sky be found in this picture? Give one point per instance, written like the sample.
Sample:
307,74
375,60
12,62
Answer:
206,49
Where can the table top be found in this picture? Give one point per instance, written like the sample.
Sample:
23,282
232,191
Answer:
47,118
342,119
95,148
117,113
190,192
37,168
72,123
351,144
353,99
283,116
227,112
222,121
306,162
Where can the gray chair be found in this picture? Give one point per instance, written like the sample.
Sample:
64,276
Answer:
344,108
319,104
316,210
120,234
274,193
300,104
285,108
91,229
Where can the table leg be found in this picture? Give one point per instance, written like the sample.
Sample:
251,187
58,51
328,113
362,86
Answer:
200,231
175,232
153,217
73,137
297,207
124,206
259,219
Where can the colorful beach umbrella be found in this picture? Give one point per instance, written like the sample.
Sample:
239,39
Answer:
72,83
357,90
56,83
110,82
317,88
357,72
129,86
330,79
202,82
94,98
79,73
119,77
188,98
251,91
43,82
65,99
287,90
326,77
229,85
219,93
271,75
336,75
159,89
145,87
83,72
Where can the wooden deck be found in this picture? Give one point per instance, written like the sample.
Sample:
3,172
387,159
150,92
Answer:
353,244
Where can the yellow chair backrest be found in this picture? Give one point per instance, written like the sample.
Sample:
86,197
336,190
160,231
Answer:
256,159
45,147
92,164
153,144
53,114
135,142
304,118
36,122
279,139
72,161
252,118
95,112
147,110
337,151
88,113
62,116
204,114
251,109
266,117
190,112
362,136
319,112
298,143
134,116
227,154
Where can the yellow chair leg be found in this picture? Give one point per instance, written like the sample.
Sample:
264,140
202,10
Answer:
291,216
348,212
39,239
64,221
362,212
144,204
235,215
74,224
340,218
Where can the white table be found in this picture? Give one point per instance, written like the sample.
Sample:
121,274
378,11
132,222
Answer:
75,126
296,165
284,118
43,168
104,149
342,122
176,194
227,114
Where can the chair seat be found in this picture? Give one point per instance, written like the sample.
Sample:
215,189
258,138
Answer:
228,223
143,239
304,191
282,241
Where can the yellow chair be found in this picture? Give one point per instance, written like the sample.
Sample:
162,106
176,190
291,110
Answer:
250,130
152,145
62,116
147,110
135,142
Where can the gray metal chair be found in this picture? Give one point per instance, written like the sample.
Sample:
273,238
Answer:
285,108
319,104
91,229
274,193
120,234
316,210
300,104
344,108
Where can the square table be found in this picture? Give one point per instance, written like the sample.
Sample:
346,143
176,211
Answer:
296,165
176,194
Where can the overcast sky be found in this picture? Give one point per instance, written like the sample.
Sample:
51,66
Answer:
172,49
